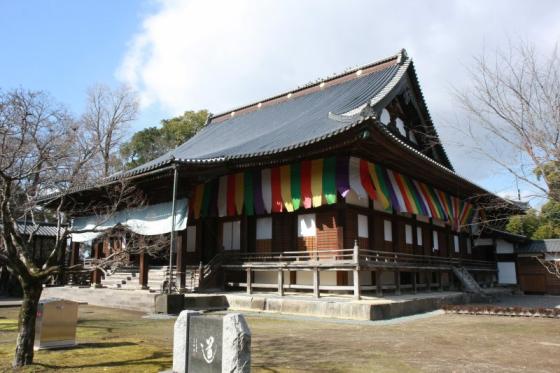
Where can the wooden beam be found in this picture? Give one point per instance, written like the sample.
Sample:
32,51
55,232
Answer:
414,285
398,282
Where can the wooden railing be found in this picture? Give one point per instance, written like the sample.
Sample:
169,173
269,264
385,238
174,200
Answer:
354,256
289,256
374,257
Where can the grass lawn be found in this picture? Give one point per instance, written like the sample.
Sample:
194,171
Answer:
122,341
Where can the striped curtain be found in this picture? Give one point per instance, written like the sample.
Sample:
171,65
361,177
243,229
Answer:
312,183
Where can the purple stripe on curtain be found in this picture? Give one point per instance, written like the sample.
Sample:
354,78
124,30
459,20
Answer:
257,189
342,178
394,200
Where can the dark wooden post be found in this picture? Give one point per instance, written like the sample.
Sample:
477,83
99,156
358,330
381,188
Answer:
74,257
414,286
378,288
429,280
398,282
440,281
96,275
144,269
181,259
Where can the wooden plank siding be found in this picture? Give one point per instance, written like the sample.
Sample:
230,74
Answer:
534,278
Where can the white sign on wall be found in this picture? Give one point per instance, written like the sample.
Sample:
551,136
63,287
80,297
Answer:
419,238
231,235
306,225
506,273
388,230
264,228
408,234
191,239
363,230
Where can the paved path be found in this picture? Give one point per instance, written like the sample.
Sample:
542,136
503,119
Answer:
9,302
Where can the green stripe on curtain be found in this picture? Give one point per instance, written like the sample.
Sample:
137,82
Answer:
329,180
249,198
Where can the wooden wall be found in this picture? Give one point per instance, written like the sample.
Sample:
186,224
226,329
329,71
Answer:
337,228
534,278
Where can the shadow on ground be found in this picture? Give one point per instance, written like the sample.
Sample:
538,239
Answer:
96,345
128,363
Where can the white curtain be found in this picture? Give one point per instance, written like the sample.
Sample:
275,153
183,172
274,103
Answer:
148,221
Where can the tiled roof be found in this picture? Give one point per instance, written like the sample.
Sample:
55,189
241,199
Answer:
41,229
541,246
287,121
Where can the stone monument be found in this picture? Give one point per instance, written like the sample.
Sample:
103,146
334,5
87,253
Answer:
203,343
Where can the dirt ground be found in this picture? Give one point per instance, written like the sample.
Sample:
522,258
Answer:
123,341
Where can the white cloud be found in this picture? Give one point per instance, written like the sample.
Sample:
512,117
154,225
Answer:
220,54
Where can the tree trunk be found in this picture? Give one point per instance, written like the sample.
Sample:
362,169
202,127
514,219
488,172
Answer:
28,312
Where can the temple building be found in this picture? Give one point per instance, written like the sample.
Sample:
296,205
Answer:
341,185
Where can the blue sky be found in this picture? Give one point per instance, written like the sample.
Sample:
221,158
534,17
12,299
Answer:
217,54
63,46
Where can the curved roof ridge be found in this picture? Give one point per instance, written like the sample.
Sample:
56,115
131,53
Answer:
336,78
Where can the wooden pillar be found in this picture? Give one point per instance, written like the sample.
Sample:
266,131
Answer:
96,276
414,285
451,278
180,245
357,287
398,282
440,281
144,269
75,254
378,288
249,282
281,283
74,258
316,282
429,280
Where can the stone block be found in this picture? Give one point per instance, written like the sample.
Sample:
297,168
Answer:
180,338
169,303
236,348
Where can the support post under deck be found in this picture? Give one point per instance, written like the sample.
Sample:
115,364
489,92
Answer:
281,283
429,280
398,282
378,288
414,285
249,282
316,282
357,288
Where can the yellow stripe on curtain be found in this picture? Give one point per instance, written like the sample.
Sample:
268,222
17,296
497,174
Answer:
239,192
380,194
317,182
198,194
286,188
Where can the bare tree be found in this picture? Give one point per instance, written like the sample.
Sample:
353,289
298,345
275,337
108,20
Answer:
513,114
107,114
43,152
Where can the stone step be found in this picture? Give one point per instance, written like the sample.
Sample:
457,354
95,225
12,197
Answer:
112,281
